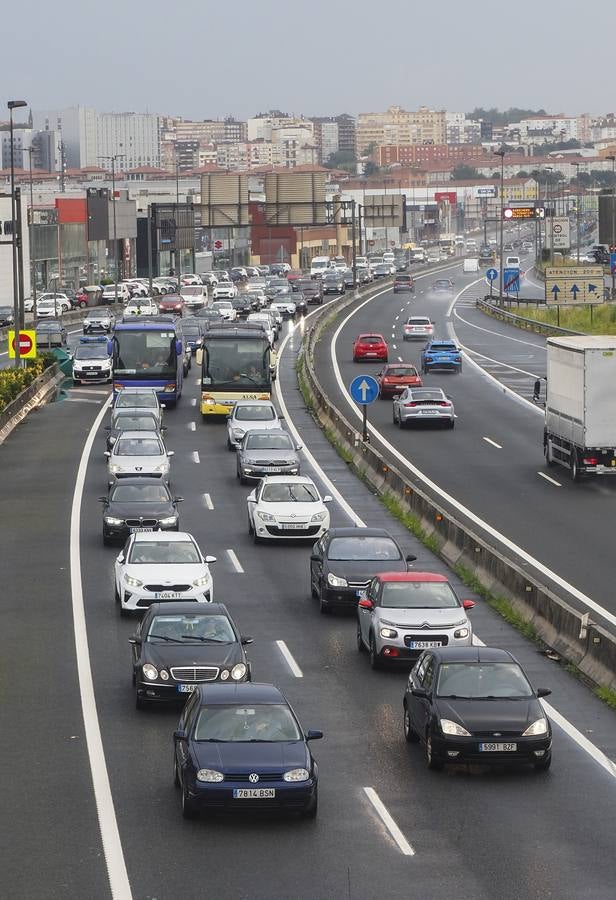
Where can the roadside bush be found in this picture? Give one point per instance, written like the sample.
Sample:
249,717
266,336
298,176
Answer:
13,381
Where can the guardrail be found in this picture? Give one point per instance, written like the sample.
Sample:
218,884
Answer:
521,321
589,646
34,395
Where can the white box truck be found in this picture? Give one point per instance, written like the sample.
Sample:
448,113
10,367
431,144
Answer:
580,409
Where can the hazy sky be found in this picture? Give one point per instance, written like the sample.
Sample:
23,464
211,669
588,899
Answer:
204,59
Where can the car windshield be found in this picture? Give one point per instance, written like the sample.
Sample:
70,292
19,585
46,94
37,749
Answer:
253,413
416,320
102,313
289,493
222,304
426,395
371,548
161,552
403,277
244,724
401,372
482,681
190,629
268,442
125,400
137,447
134,423
418,595
279,282
370,339
90,351
139,493
150,351
443,346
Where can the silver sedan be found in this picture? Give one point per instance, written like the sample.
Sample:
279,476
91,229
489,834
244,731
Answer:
138,454
423,405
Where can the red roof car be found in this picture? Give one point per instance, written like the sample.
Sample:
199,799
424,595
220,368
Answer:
395,377
171,303
369,346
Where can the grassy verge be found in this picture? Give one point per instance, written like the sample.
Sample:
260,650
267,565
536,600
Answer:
601,319
14,381
607,695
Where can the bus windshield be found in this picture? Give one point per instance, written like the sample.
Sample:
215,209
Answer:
144,351
231,362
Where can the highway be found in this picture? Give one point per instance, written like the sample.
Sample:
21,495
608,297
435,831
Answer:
77,749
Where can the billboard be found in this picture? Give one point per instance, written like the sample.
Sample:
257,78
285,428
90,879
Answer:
446,196
607,219
296,198
385,210
224,201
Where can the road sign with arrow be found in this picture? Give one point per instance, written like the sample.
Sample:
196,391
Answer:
364,389
573,284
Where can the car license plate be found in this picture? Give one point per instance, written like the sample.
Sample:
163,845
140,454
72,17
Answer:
292,526
498,748
273,468
167,595
370,354
253,793
186,688
424,645
133,530
429,412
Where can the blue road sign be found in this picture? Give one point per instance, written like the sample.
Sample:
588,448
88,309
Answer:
511,281
492,274
364,389
612,263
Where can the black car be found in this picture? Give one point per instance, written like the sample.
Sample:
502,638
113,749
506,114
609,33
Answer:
130,420
349,278
311,288
178,645
277,287
442,286
301,304
267,452
6,315
345,560
192,333
242,304
333,283
241,747
476,705
209,315
138,504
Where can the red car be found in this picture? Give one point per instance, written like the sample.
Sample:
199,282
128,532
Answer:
395,377
370,346
171,303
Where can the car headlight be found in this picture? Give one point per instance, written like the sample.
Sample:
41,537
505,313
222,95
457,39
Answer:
164,467
388,633
132,582
224,674
115,468
335,581
247,469
150,672
210,775
169,388
461,633
200,582
112,520
164,675
449,727
238,432
267,517
537,728
238,672
169,520
296,775
318,517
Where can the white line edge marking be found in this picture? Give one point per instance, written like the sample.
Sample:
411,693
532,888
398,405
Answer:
192,426
195,456
473,517
498,333
208,501
290,661
81,400
498,362
494,444
193,401
235,561
547,478
110,835
388,822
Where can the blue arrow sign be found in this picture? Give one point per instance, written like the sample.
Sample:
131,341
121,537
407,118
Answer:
364,389
574,290
491,274
592,288
556,291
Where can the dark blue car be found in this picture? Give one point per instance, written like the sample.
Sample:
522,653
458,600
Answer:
441,355
241,747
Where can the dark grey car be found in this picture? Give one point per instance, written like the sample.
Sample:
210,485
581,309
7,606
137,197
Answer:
263,453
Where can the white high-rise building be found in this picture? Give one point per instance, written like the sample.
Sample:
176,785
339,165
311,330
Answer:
135,135
77,127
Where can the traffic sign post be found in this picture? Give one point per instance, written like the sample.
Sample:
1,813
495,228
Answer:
27,345
364,389
491,275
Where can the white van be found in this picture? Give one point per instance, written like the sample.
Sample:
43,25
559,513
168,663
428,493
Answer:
470,264
319,265
388,256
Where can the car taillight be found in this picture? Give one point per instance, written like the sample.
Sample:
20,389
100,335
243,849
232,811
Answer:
428,359
589,461
410,404
458,359
444,403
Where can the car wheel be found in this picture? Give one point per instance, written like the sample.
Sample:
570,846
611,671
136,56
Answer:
355,359
323,605
311,810
176,774
410,735
432,762
575,467
452,423
393,415
140,703
230,446
106,541
375,662
116,596
544,764
549,456
188,807
360,642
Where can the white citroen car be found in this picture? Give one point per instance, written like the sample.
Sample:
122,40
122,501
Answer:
287,506
161,565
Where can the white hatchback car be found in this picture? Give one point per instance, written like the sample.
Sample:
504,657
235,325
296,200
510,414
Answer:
224,290
48,307
249,414
287,506
141,306
161,565
226,309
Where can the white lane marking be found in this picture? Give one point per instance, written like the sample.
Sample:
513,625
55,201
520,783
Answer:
399,359
473,517
387,820
193,401
192,426
80,390
81,400
195,456
208,501
394,346
110,835
497,333
551,480
288,656
494,444
497,362
235,562
198,382
459,294
397,317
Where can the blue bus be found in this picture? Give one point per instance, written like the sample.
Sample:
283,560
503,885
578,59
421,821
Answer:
148,352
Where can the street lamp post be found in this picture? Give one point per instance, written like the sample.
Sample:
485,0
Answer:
577,208
178,252
501,153
14,104
112,159
547,197
613,229
29,151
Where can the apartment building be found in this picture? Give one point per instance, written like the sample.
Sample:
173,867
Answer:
399,126
418,154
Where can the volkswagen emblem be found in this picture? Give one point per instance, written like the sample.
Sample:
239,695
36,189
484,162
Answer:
253,778
292,515
138,468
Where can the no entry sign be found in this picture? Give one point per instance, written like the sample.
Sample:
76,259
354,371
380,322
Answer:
27,344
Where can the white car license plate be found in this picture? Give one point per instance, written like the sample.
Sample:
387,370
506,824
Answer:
370,354
498,748
253,793
424,645
167,595
186,688
429,412
273,468
292,526
133,530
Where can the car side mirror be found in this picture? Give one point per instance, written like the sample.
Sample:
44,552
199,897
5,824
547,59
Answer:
107,454
107,427
135,641
210,559
179,735
170,452
327,498
543,692
252,497
396,396
120,558
245,640
366,604
102,499
178,499
410,557
228,416
298,446
314,735
419,692
163,406
468,604
281,418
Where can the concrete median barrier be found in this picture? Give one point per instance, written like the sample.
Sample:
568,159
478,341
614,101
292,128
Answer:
36,394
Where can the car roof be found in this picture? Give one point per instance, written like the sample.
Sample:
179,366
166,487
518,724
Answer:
412,576
188,607
162,535
267,432
141,435
285,479
359,532
247,692
252,403
473,654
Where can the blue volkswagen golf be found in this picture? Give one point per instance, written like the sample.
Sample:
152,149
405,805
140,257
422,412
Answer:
241,747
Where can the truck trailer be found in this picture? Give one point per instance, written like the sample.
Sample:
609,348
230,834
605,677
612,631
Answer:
580,409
